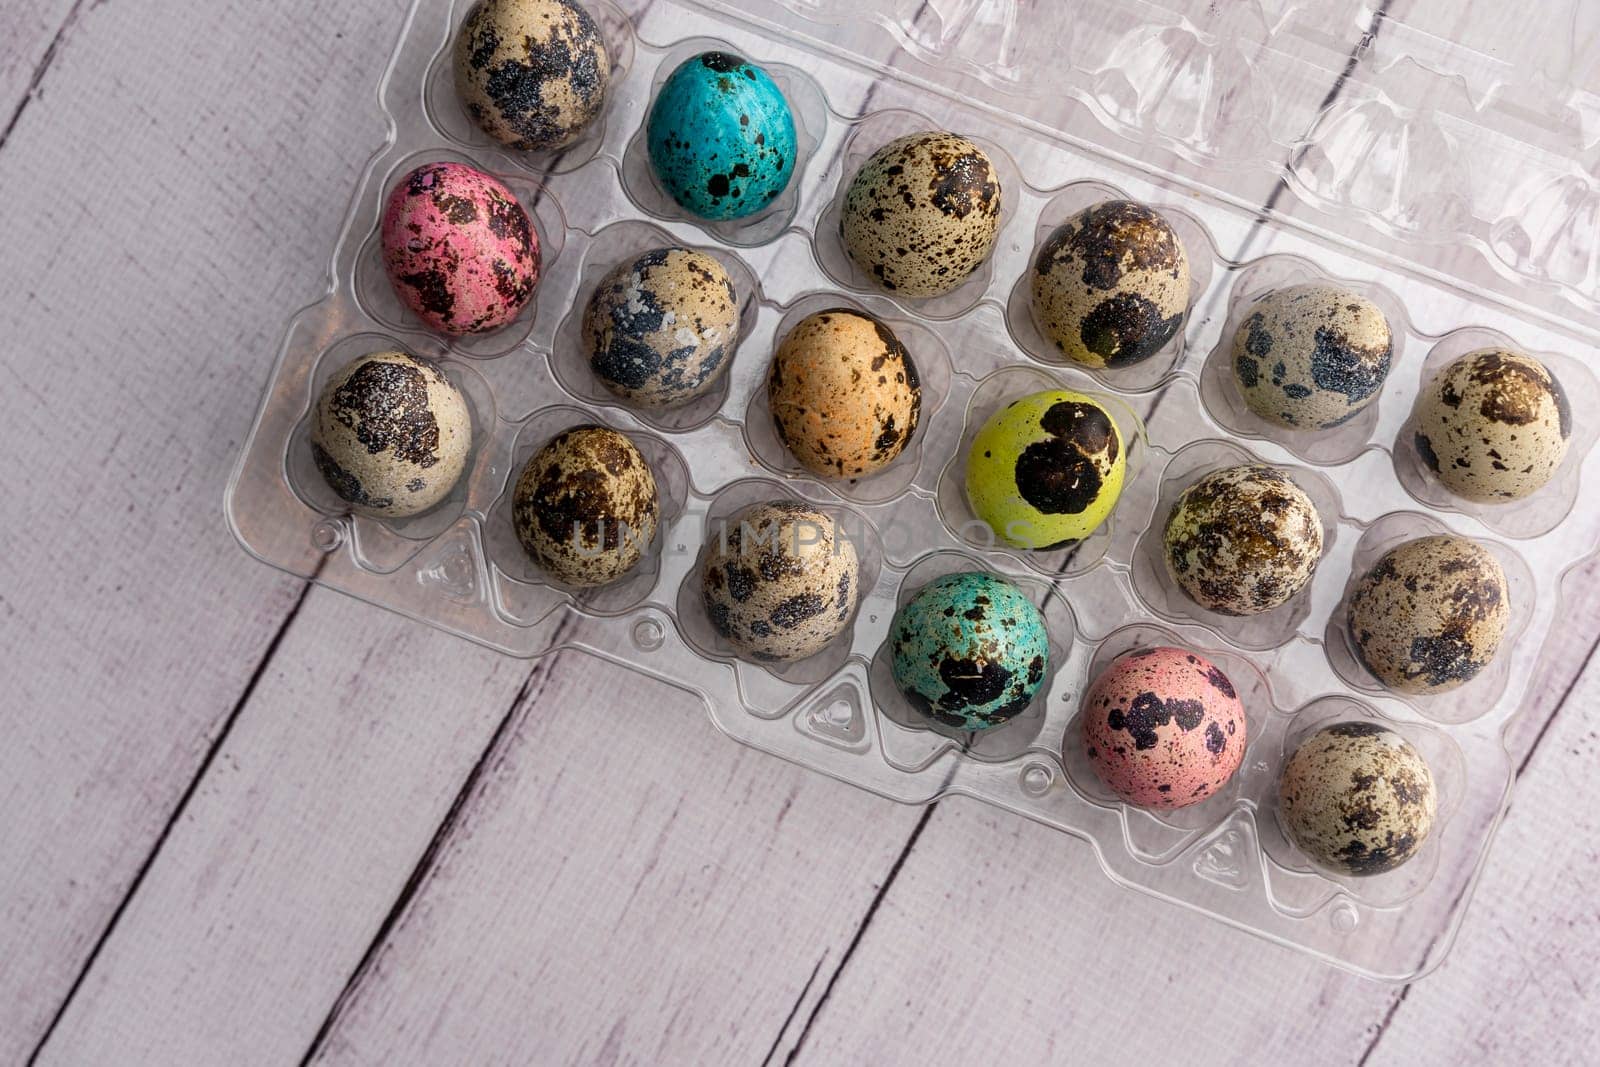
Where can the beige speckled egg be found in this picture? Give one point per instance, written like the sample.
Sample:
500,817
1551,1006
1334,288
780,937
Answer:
585,507
1243,540
1493,426
531,73
659,328
922,213
1430,614
391,434
779,580
1111,284
1357,798
1311,356
844,393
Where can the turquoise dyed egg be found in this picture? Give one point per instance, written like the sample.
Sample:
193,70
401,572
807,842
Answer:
721,137
970,650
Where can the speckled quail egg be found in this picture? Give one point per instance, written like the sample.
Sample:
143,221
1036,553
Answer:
844,393
1163,727
1311,356
922,213
458,248
721,137
1111,284
531,73
1492,426
1430,614
1046,469
969,650
779,580
391,434
586,506
1242,540
659,328
1357,798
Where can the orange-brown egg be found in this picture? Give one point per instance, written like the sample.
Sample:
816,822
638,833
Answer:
844,393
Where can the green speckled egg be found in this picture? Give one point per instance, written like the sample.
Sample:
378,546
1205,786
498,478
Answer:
970,650
1047,469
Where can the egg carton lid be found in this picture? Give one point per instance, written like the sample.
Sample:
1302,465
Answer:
1461,142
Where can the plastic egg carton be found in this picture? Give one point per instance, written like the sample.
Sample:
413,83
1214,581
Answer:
972,70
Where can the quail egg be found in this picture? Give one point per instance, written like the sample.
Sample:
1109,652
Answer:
391,434
458,248
1493,426
1242,540
531,73
922,213
1312,356
1163,727
585,507
1430,614
721,137
1357,798
1111,284
779,581
969,650
659,328
844,393
1046,469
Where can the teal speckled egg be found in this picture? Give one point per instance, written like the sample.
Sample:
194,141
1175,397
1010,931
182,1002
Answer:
721,137
970,650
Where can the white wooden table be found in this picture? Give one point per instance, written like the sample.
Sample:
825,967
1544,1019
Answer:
247,820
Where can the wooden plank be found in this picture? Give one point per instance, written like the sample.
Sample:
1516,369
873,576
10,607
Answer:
31,36
136,350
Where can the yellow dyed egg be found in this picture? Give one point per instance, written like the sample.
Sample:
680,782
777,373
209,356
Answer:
1046,470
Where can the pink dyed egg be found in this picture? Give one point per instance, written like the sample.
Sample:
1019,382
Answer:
1163,727
459,249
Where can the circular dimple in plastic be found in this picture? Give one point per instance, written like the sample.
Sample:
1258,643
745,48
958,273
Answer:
1344,916
647,635
327,535
1036,779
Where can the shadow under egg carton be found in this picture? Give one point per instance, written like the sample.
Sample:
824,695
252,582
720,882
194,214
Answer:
459,568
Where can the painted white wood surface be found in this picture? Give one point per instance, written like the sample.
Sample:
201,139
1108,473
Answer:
407,849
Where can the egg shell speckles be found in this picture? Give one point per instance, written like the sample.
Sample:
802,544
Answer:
1357,798
1430,614
1242,540
844,393
969,650
922,213
1494,425
586,506
531,73
458,248
391,434
1163,727
1311,356
1111,284
658,329
1046,469
779,581
721,137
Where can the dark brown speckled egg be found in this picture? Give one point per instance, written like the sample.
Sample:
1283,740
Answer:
531,73
922,213
1430,614
586,506
1357,798
1111,284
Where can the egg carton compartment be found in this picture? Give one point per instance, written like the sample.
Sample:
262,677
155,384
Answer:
1480,693
1164,598
1110,540
1149,127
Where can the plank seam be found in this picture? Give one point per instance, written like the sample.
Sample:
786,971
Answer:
861,929
794,1010
39,69
423,869
177,813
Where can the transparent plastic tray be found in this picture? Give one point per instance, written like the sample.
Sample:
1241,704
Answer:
1146,120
